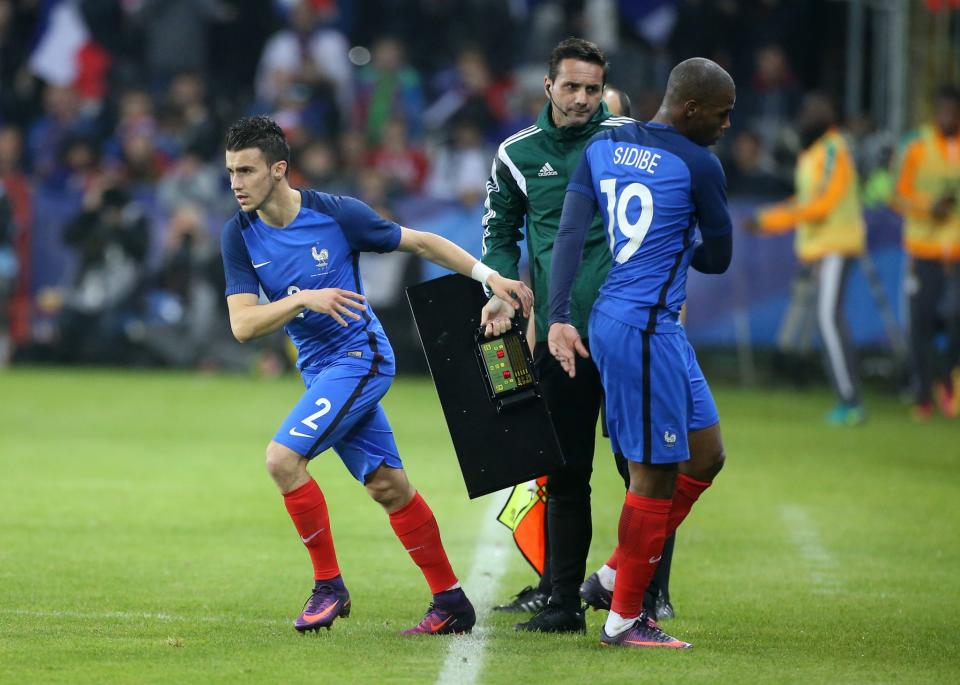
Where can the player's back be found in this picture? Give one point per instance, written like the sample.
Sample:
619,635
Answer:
653,187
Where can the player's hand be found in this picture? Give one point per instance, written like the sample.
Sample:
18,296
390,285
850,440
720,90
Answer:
495,317
564,343
515,293
942,207
751,225
339,304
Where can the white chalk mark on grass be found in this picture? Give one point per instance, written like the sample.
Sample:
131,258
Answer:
821,565
139,616
464,661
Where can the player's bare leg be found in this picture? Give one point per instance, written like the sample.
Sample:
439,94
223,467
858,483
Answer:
307,507
415,525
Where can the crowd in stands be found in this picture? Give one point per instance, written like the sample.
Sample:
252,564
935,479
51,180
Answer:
112,113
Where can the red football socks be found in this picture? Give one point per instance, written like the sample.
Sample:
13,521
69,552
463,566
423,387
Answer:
642,532
417,529
685,493
308,509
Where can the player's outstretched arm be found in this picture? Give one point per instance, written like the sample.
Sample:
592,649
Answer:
441,251
249,320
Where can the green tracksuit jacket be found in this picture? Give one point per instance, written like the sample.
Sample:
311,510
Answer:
528,181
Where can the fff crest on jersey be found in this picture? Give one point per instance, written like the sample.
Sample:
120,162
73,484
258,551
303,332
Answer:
322,257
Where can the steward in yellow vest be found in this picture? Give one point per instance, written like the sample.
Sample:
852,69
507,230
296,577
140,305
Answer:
926,194
825,212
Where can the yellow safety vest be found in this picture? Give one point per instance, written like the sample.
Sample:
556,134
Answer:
826,208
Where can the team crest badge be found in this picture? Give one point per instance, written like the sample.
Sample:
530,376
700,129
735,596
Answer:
321,257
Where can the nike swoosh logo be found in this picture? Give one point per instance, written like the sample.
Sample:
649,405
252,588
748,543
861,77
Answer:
434,627
653,560
413,549
257,266
313,618
295,432
311,537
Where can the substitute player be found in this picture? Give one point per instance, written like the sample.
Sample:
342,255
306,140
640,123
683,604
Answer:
301,247
525,191
655,185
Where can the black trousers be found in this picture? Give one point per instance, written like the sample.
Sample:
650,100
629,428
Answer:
574,405
933,300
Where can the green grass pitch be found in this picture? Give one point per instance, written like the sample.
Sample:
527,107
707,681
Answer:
141,541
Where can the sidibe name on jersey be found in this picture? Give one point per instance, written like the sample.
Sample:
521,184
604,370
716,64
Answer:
638,157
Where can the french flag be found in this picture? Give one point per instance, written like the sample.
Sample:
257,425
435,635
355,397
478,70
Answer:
67,55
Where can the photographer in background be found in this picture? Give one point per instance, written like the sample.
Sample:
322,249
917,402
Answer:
110,236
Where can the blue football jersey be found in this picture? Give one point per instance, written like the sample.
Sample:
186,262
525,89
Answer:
654,188
319,249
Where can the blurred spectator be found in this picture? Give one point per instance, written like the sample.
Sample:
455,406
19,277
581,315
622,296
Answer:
767,107
61,119
470,93
387,88
193,180
17,31
353,154
80,161
317,166
182,318
402,163
15,249
8,273
750,170
927,193
110,237
176,35
189,121
459,169
310,53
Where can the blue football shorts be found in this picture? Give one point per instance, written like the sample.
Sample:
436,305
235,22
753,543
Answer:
655,391
341,409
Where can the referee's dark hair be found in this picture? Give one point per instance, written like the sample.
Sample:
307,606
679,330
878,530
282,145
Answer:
578,49
262,133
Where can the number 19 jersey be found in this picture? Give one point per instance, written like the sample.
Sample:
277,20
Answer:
654,188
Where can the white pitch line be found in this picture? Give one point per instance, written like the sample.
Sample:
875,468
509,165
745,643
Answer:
821,564
465,656
138,616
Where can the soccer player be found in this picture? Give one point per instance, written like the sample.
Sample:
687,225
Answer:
830,236
926,193
301,247
526,186
656,184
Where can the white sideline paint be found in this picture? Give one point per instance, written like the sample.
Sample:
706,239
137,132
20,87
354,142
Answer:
464,661
821,564
140,616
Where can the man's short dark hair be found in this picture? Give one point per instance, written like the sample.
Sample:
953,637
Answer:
262,133
578,49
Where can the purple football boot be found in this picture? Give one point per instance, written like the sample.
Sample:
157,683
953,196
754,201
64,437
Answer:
449,612
328,601
643,633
